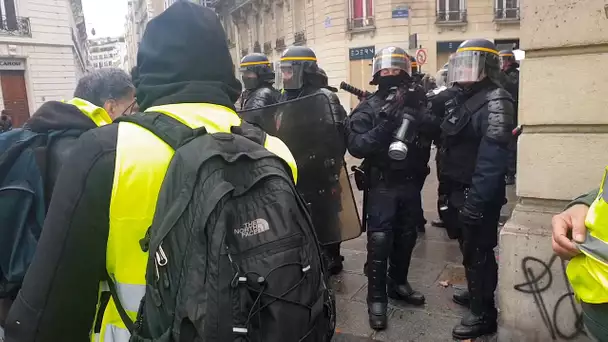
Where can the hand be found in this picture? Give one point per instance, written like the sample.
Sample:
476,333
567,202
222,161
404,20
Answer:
570,221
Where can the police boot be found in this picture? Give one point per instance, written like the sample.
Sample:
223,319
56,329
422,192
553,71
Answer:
401,255
438,223
461,297
379,245
482,315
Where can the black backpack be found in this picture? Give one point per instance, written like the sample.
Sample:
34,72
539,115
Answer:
232,251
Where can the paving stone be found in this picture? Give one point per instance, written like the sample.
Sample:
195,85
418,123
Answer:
438,251
417,326
358,244
352,318
353,260
340,337
346,285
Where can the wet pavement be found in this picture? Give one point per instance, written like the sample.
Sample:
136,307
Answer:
436,271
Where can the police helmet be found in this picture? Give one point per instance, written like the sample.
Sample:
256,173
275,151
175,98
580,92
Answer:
256,69
414,64
391,57
325,80
296,62
507,57
474,60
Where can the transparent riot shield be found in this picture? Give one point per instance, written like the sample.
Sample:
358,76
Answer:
306,125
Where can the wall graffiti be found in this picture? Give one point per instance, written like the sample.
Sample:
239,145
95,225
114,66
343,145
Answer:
537,284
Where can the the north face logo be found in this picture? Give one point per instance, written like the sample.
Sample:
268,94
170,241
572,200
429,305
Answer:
254,227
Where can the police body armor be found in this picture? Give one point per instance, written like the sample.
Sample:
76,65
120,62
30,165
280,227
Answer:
460,142
307,126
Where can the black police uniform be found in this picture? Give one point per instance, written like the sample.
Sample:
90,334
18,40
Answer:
309,79
511,84
475,148
394,189
259,91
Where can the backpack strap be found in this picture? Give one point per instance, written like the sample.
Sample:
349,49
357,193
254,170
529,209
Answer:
171,131
121,310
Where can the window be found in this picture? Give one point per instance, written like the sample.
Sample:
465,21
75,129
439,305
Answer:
361,13
506,10
451,10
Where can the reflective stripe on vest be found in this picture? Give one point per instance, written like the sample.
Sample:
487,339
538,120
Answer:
97,114
588,272
137,180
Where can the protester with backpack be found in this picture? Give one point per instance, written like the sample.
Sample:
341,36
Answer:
30,160
223,249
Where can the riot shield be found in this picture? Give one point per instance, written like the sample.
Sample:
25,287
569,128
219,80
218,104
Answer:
306,125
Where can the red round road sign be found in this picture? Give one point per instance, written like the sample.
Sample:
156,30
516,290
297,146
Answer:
421,56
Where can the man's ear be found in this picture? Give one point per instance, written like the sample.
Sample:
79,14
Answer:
109,106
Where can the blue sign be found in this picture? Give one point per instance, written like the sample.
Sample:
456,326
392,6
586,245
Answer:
366,52
401,12
448,46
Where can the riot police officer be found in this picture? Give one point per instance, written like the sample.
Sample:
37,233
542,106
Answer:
510,68
302,77
476,134
394,189
258,78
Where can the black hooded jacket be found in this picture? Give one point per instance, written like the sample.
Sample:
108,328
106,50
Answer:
183,58
56,116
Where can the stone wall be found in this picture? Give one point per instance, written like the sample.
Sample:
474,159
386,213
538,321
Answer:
563,108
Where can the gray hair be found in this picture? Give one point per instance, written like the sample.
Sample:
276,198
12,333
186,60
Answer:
102,85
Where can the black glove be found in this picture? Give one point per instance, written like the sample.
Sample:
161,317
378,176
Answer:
470,217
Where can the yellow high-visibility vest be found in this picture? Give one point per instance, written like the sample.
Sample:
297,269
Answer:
142,160
99,115
588,271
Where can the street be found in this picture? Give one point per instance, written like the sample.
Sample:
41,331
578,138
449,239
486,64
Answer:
436,270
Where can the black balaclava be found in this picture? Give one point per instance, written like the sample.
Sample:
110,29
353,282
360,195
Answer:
184,58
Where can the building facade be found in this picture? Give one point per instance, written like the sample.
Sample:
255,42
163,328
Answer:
345,33
139,13
107,52
205,3
43,52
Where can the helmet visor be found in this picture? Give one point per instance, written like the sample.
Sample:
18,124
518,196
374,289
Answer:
392,61
506,60
292,75
466,66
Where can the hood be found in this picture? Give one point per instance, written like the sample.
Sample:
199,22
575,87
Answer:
184,58
55,115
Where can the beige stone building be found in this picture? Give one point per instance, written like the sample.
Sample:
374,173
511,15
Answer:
345,33
562,154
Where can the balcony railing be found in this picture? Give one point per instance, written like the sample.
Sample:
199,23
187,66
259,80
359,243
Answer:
267,48
451,17
506,14
361,24
256,47
280,44
16,26
299,38
244,52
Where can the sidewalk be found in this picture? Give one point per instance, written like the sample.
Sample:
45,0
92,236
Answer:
435,271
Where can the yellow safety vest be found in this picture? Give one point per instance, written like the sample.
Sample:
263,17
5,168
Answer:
142,160
99,115
588,271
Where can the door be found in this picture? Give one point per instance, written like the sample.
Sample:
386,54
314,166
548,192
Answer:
360,75
14,94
